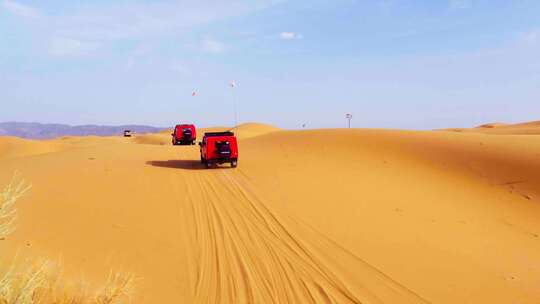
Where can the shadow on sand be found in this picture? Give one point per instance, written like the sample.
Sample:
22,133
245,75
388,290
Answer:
188,164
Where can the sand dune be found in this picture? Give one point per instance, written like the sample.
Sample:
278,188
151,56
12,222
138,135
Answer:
18,147
160,139
318,216
242,131
249,130
528,128
492,125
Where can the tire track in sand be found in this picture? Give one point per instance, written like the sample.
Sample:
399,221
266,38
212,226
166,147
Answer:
244,254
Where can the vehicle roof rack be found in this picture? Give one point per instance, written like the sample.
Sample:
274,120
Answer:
226,133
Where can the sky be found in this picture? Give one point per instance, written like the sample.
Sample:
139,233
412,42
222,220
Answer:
421,64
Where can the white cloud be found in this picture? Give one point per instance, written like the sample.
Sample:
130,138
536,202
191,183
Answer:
67,47
460,4
19,9
386,4
181,68
290,36
136,55
212,46
104,24
117,22
530,37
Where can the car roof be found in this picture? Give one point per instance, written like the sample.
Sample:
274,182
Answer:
214,134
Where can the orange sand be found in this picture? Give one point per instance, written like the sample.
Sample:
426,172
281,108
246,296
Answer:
317,216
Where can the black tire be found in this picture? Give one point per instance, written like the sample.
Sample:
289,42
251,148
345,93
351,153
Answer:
234,163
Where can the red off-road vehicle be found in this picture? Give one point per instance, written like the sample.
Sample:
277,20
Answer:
184,135
219,148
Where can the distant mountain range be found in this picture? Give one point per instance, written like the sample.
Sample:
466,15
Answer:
34,130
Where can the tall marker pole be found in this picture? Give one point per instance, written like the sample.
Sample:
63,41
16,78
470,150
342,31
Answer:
349,117
235,96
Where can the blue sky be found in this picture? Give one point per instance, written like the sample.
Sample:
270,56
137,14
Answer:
391,63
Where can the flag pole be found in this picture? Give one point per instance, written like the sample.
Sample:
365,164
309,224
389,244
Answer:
235,101
235,109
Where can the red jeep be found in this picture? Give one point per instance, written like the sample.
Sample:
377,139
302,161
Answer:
184,135
219,148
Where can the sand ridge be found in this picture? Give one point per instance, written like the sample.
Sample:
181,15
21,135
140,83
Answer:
527,128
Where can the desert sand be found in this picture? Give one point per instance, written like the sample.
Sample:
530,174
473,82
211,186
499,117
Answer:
311,216
527,128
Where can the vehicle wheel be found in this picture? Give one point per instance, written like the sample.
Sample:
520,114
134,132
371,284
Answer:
234,163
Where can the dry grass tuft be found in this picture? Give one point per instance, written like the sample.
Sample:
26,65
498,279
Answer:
119,286
8,198
40,283
23,286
